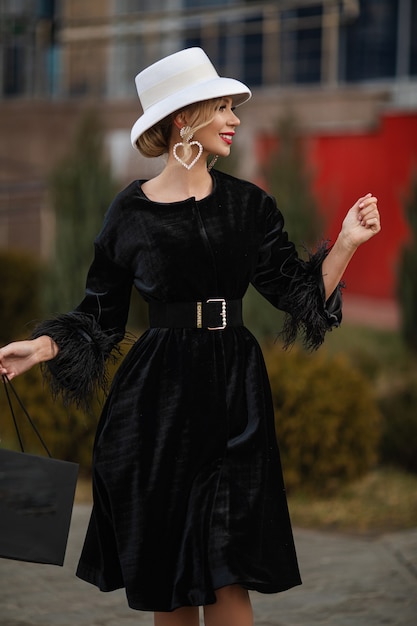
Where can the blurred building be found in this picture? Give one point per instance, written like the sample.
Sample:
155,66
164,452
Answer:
346,68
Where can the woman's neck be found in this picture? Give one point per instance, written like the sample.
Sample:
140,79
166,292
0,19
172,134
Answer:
175,183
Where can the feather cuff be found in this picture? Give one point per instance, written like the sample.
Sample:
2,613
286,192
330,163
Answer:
310,314
79,371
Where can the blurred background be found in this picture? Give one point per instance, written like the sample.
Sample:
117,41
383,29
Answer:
333,116
346,70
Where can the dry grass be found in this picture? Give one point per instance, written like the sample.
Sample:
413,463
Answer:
383,501
83,493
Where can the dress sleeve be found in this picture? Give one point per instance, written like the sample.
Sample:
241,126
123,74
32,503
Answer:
295,285
88,336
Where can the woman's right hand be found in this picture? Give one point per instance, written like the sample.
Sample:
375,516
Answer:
19,356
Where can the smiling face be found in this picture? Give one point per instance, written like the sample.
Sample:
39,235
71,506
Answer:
217,136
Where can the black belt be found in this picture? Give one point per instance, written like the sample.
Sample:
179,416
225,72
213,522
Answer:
213,314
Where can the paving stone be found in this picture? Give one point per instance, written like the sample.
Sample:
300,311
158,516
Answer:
347,581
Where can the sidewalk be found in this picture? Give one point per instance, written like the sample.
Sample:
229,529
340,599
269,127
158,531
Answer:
348,581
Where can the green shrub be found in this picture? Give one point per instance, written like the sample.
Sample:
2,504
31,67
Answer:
19,294
289,180
399,427
407,272
327,420
263,320
81,188
67,431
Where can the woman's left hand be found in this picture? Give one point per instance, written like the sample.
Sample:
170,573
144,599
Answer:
360,224
362,221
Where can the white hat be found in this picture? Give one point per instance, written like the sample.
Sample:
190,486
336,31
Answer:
178,80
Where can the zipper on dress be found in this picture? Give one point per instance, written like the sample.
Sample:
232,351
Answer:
207,245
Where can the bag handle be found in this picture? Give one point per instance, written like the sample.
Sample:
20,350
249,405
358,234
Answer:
7,382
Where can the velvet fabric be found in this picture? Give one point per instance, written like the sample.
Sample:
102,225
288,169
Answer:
188,487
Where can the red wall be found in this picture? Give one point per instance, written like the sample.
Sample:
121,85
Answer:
346,166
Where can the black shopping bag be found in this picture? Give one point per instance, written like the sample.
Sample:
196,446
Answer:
36,500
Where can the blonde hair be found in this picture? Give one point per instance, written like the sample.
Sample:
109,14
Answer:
155,141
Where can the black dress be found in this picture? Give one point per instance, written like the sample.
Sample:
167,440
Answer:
188,488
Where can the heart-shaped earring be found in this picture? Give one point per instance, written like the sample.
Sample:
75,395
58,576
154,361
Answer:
187,166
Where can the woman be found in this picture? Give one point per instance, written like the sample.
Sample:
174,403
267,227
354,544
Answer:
189,501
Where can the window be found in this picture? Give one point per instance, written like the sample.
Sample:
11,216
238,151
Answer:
371,41
413,40
307,45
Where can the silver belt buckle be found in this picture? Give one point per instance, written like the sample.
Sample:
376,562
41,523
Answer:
223,313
